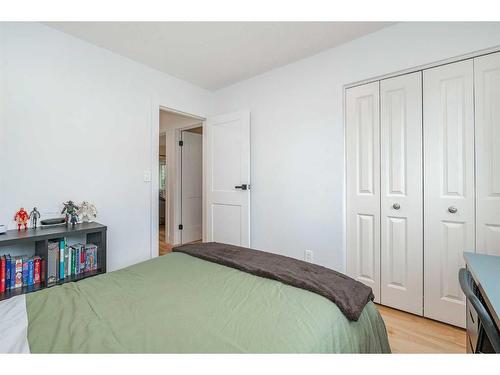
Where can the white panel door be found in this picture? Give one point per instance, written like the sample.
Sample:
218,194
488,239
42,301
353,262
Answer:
401,205
363,185
487,85
228,178
191,186
448,187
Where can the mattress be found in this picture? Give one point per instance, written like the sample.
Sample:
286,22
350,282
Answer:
181,304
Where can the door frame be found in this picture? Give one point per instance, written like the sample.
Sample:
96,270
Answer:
154,201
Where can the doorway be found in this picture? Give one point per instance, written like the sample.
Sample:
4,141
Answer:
180,180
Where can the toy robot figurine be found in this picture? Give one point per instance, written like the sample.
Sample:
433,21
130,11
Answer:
87,212
21,218
70,211
73,219
34,216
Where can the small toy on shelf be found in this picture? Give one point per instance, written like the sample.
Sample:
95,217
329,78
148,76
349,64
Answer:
73,218
21,218
87,212
34,216
70,211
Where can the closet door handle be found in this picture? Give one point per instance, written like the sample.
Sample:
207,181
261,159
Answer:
452,210
396,206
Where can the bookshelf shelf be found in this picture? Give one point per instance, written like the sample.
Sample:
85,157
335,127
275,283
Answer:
94,233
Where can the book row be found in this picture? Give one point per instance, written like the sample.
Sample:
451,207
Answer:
19,271
64,261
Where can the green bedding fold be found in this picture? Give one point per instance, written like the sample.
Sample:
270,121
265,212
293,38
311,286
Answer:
182,304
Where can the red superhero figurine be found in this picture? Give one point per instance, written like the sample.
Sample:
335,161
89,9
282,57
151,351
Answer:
21,218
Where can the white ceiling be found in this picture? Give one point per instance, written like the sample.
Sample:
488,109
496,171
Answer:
216,54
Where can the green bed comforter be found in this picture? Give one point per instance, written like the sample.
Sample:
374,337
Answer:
181,304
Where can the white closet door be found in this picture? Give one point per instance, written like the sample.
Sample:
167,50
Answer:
363,185
401,193
448,187
487,85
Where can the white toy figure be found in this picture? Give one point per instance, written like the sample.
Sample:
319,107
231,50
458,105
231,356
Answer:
87,212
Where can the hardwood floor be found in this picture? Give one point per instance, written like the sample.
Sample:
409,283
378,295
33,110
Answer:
409,333
165,248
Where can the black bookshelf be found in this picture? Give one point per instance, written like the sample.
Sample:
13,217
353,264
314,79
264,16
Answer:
94,233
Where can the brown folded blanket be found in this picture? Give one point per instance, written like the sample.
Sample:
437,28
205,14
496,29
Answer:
349,295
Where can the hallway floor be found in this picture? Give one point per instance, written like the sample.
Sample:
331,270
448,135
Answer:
165,248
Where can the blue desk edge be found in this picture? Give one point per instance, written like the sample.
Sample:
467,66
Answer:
486,272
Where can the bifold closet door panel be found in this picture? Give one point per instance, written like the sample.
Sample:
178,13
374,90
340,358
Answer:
363,185
487,112
401,193
449,198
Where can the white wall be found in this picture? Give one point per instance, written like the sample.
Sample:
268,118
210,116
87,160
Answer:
77,123
297,130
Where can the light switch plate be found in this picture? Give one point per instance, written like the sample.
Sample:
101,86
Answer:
147,176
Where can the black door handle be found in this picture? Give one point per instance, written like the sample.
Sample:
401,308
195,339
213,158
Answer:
242,187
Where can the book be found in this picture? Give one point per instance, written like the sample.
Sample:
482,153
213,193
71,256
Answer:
61,259
91,254
25,271
18,272
31,272
67,261
73,258
2,274
77,260
82,258
37,270
88,259
52,263
7,272
12,273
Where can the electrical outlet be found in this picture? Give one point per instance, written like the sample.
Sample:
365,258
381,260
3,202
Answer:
308,256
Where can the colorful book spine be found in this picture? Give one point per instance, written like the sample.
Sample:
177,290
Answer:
91,257
7,272
52,263
12,273
2,274
18,275
61,259
68,261
37,270
73,257
77,260
87,259
25,271
82,259
31,272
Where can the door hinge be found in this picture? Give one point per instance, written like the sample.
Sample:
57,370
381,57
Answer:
181,227
181,143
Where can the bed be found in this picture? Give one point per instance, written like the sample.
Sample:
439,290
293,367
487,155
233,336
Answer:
179,303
